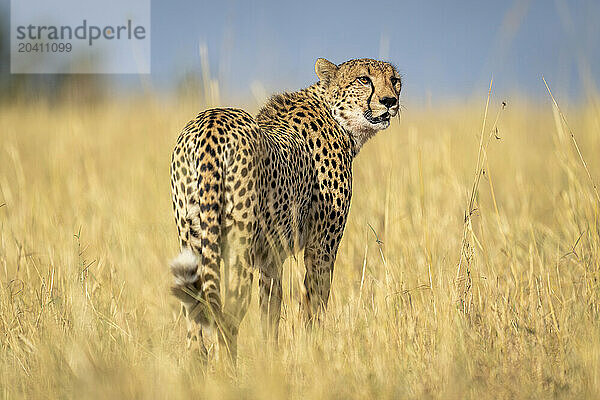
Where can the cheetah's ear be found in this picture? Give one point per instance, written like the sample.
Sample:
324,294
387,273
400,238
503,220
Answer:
325,70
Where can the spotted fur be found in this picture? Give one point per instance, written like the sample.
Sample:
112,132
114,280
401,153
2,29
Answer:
250,191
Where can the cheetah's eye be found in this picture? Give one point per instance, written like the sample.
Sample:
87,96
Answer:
395,80
365,80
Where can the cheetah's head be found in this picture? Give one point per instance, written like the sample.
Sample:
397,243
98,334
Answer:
363,95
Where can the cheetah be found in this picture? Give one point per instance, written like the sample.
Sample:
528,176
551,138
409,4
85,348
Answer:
251,191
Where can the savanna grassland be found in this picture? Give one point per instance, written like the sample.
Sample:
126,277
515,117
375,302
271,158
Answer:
434,295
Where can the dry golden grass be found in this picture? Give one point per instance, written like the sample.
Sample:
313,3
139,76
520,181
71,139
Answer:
86,232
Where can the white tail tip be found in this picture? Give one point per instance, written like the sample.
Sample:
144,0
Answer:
185,268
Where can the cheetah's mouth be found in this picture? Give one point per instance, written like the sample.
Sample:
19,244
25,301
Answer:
385,117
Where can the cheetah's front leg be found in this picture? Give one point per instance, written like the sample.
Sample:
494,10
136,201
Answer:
319,262
270,295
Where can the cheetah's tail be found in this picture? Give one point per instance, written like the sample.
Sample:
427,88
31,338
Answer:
197,268
185,270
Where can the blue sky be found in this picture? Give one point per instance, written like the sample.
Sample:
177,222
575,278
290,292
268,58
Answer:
444,49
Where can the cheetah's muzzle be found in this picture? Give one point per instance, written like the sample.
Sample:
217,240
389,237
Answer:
385,117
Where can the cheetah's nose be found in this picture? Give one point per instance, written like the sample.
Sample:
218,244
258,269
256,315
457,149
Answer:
389,102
